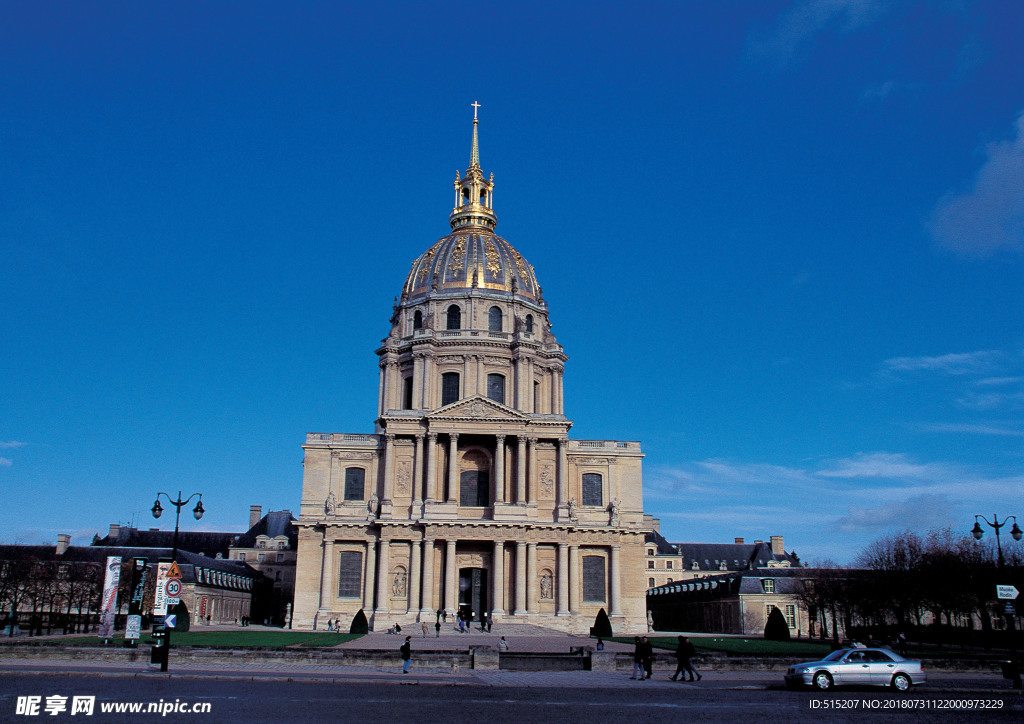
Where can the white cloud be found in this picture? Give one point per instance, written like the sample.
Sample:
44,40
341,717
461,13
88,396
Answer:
6,462
920,512
950,364
976,429
12,444
879,465
989,217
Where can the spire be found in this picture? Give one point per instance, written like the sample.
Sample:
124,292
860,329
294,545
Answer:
474,202
474,154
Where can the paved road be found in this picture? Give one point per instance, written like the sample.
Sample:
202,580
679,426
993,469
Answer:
412,698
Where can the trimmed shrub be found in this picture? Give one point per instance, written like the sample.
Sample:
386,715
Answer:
602,625
776,628
359,624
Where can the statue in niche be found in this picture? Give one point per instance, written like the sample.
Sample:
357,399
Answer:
330,505
573,517
546,585
613,507
398,584
371,507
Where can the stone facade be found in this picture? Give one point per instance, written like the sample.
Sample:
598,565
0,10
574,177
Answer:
470,495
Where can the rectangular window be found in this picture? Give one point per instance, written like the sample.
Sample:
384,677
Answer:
768,611
449,388
650,564
475,488
592,494
350,574
790,615
768,585
496,388
354,481
260,557
407,393
241,556
280,557
593,579
650,583
668,565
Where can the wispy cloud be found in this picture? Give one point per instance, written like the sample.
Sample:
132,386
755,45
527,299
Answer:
6,462
808,18
920,512
979,429
990,216
11,444
878,465
949,364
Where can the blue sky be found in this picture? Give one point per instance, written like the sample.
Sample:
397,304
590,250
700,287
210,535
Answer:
782,244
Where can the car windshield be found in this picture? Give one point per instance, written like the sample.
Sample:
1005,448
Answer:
835,655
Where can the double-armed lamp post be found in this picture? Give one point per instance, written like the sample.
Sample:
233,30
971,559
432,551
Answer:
178,505
163,634
977,531
1011,669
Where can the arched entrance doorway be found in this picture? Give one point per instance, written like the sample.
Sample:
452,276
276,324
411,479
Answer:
473,592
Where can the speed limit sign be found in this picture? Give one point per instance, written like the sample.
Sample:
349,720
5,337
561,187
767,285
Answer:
173,587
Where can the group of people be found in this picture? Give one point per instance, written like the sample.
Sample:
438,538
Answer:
643,660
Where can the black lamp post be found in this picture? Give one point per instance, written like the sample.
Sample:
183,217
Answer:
179,504
1011,668
977,531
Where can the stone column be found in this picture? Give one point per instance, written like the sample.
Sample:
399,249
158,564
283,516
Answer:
451,579
383,574
528,386
574,579
413,589
453,466
389,466
499,469
417,471
532,597
563,472
427,594
327,579
520,579
531,474
481,376
563,580
431,467
417,382
521,470
370,565
616,570
381,386
498,574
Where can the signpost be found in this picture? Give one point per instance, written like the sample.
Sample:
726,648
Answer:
1006,593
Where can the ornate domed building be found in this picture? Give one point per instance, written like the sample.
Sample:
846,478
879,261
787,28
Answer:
470,496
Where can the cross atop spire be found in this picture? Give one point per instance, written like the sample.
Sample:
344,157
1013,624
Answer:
475,106
474,154
473,194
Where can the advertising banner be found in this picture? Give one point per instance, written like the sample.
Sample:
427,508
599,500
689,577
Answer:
133,629
160,601
108,604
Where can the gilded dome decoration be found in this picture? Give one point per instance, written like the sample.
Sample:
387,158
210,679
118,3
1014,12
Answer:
472,256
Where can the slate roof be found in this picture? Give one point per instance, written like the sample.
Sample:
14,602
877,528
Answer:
664,548
273,524
709,556
201,542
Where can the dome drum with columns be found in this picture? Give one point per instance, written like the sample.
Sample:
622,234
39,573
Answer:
470,494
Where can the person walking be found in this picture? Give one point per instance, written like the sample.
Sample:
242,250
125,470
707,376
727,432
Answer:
684,654
406,651
647,657
437,629
638,661
425,628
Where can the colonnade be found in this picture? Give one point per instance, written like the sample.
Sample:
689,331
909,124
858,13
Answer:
423,593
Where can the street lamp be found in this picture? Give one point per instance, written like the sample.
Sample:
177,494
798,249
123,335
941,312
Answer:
977,531
197,512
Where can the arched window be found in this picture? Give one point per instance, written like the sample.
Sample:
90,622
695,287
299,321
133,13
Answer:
529,324
475,480
593,579
354,480
417,320
350,574
496,388
494,319
454,317
449,388
592,489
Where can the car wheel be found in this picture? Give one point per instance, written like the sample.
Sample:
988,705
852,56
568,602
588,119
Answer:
822,681
901,682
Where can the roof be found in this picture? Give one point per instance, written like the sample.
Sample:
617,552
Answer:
664,548
737,556
202,542
274,524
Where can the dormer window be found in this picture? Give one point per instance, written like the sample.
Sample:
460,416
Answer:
768,585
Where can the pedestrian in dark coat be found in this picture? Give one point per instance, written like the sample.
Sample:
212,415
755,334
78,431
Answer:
684,654
647,656
406,651
638,659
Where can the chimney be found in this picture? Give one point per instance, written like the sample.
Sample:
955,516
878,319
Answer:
758,542
777,549
738,541
115,528
63,541
255,513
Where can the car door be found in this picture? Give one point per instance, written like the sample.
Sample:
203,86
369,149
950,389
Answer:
881,666
855,669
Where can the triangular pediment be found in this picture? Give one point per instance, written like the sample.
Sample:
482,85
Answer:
477,408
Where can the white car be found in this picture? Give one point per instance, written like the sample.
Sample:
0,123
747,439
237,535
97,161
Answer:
857,667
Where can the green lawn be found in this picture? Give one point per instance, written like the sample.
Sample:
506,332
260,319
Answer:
231,639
